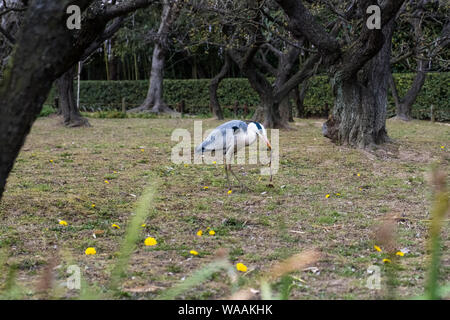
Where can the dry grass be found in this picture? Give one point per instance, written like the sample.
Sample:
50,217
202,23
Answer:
257,229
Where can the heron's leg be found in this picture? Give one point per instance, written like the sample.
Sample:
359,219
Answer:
240,182
226,172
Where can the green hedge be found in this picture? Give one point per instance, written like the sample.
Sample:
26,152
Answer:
435,92
107,95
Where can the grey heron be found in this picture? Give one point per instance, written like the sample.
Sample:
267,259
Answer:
229,138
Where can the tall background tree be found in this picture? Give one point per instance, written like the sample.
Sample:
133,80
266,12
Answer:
154,101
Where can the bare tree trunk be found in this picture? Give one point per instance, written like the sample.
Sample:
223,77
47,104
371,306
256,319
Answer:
299,98
272,114
71,115
154,101
403,106
357,119
112,66
214,84
359,114
268,113
286,109
41,51
9,23
275,110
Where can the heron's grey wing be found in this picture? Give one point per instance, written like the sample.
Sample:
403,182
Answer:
234,125
215,141
222,137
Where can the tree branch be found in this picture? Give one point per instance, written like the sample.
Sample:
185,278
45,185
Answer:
107,33
303,24
308,70
123,8
8,36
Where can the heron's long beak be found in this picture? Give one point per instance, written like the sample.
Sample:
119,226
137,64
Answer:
265,140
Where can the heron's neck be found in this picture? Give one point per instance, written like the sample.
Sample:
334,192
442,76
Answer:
251,137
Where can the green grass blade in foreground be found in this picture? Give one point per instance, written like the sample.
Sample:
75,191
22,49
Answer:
266,291
438,212
87,291
132,233
196,279
11,290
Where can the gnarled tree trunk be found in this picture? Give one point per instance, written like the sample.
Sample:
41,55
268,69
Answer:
272,114
360,79
359,115
67,105
268,113
358,119
299,98
286,109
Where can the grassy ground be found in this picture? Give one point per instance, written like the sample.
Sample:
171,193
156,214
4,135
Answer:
92,177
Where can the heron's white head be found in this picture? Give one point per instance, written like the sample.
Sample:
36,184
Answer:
259,129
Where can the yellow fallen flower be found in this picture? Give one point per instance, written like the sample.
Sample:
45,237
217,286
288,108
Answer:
115,226
199,233
230,191
327,196
377,248
90,251
241,267
150,241
212,232
386,261
62,222
399,253
193,252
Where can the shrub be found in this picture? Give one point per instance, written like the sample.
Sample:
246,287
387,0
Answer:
46,111
107,95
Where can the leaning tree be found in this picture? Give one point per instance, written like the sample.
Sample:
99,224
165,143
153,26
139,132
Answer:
45,49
